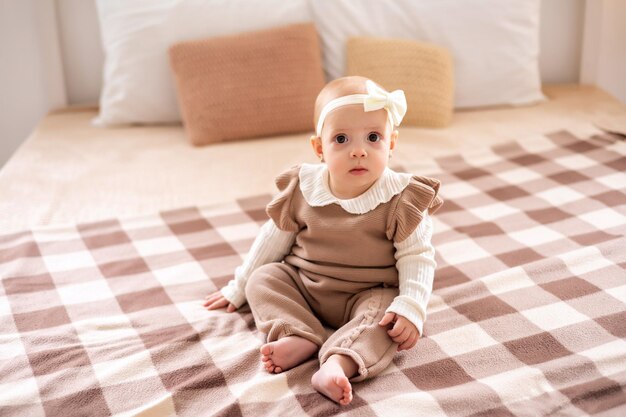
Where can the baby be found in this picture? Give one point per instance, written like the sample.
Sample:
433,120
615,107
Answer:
347,246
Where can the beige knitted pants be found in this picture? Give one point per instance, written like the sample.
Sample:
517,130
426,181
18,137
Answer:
286,301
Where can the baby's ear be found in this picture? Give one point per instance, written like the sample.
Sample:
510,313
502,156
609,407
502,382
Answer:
316,143
393,139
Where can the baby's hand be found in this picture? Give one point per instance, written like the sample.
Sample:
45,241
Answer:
403,332
217,300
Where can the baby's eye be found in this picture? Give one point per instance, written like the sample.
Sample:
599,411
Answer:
373,137
341,138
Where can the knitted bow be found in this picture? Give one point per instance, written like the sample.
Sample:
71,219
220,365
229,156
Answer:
394,102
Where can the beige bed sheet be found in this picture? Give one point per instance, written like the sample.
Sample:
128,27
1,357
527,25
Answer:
68,171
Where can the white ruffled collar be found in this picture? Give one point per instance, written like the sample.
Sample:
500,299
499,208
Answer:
316,192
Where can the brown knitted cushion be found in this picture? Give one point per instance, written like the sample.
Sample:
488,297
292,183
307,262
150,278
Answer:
248,85
424,71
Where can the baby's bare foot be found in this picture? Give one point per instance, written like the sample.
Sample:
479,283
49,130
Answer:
331,381
286,353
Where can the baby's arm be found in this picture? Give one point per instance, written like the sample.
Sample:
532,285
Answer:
271,245
415,260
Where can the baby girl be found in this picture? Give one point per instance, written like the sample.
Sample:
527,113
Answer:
347,247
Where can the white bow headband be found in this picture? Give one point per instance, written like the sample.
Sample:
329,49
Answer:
375,99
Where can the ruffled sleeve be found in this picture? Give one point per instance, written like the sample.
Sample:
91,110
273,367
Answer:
420,194
280,208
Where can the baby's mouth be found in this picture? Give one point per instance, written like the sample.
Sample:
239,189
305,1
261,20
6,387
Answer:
358,170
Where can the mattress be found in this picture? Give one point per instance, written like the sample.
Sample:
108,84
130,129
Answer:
70,171
112,238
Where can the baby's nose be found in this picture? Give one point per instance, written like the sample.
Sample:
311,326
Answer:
359,152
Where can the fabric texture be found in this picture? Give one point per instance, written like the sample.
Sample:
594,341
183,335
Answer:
273,93
137,82
283,306
480,34
415,262
526,315
423,71
313,180
271,245
414,258
421,195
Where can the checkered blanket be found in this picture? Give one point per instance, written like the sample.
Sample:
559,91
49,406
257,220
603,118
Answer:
527,316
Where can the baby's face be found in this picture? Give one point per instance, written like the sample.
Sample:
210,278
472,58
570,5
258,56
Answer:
356,145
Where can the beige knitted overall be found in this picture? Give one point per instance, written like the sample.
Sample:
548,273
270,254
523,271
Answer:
340,273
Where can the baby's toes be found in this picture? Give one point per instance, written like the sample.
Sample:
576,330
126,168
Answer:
346,387
278,370
266,350
346,399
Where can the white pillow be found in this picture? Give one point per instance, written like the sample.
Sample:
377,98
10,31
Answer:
138,85
494,43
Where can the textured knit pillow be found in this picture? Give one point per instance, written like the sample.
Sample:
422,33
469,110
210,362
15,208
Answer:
248,85
424,71
137,83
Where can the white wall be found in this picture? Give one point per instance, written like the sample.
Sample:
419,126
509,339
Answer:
603,61
31,78
79,34
560,37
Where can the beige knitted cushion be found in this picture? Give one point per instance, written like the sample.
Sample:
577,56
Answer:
424,71
248,85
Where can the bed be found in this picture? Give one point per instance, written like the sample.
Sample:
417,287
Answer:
109,246
111,237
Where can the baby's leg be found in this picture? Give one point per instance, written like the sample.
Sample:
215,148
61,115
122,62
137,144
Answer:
362,341
280,310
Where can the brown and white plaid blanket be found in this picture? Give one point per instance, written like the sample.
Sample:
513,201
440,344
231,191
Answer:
527,316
